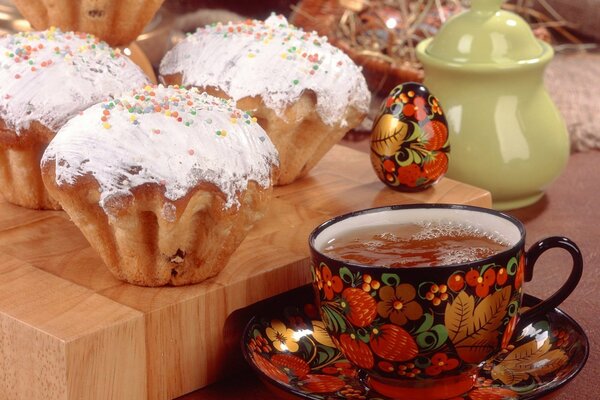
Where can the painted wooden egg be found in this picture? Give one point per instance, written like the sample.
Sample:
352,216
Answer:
409,140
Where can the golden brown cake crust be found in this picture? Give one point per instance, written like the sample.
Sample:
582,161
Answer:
20,179
140,246
118,22
35,134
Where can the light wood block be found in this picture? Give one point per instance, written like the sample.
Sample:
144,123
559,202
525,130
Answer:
69,330
59,340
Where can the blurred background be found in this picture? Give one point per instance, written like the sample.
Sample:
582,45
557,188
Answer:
381,36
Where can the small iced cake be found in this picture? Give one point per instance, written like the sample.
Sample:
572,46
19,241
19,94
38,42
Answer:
304,92
164,182
48,77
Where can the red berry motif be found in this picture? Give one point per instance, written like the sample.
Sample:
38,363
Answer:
501,276
297,366
389,166
356,351
436,135
360,306
436,165
269,369
321,384
393,343
456,282
520,276
482,283
409,175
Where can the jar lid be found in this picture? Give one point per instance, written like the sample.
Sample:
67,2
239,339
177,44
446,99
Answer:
485,34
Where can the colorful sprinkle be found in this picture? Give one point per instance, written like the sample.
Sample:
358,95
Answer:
180,104
24,47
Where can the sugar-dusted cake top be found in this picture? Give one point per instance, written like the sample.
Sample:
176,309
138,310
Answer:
271,59
169,136
51,75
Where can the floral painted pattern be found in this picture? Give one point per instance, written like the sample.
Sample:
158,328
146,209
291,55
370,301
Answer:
329,283
409,141
536,362
282,337
439,363
443,327
398,304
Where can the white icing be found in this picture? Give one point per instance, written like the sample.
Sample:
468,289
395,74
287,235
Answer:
169,136
271,59
51,75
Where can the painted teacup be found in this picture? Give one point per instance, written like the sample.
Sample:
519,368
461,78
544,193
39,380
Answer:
422,332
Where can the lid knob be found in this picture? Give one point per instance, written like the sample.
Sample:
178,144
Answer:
484,34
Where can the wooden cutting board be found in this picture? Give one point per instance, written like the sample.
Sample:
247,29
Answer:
69,330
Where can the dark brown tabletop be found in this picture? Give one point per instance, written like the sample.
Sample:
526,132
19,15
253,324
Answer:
569,208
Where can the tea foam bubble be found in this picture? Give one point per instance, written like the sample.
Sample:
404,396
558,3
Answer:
463,255
430,243
431,230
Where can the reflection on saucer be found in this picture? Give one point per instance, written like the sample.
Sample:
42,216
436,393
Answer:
291,350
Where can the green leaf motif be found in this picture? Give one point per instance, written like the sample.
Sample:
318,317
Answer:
426,325
486,267
511,266
346,275
333,319
325,355
256,332
442,334
432,339
390,279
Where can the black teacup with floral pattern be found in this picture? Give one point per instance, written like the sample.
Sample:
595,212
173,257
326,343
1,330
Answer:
422,332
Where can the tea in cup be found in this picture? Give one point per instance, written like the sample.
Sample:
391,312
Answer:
417,297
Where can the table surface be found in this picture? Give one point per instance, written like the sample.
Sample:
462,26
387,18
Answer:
569,208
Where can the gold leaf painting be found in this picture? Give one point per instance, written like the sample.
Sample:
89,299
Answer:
388,135
458,316
533,358
474,330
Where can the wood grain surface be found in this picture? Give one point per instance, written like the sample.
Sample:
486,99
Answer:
69,330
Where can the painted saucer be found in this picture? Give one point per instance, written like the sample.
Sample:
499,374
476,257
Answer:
290,350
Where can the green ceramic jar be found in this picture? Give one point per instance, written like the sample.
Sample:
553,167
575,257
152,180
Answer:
486,68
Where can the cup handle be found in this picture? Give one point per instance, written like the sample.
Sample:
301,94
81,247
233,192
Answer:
531,256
